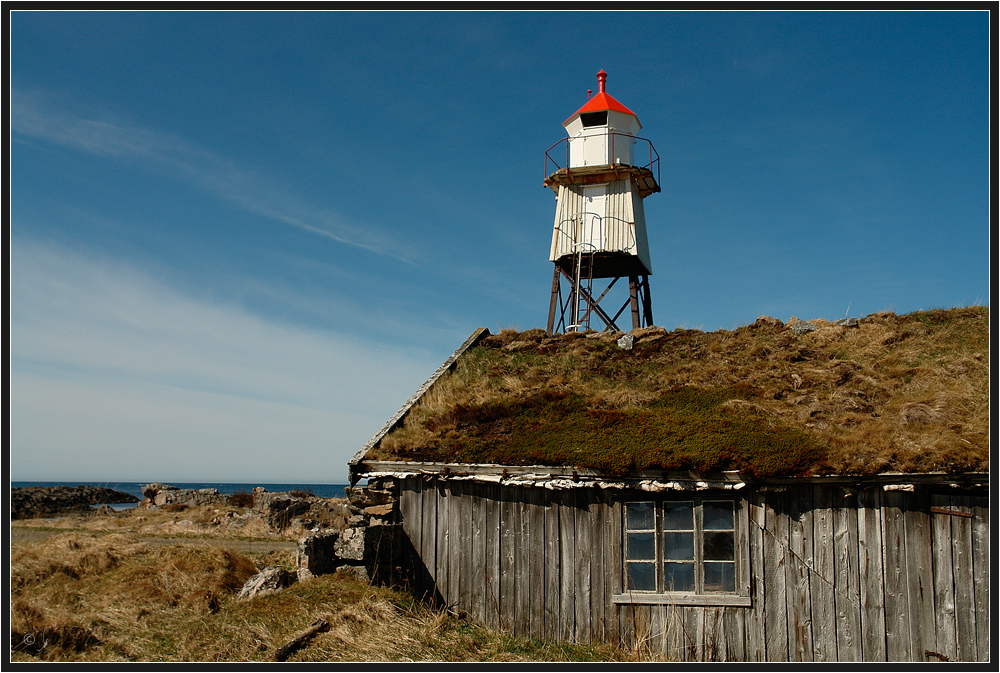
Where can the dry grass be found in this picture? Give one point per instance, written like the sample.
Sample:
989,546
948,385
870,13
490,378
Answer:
895,393
75,594
113,597
191,521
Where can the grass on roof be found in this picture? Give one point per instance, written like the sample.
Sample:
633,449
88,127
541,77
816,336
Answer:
903,393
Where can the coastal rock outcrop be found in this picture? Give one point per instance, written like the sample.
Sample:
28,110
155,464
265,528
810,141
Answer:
171,495
37,501
281,511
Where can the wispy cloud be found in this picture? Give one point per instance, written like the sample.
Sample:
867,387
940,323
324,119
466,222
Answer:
106,358
34,116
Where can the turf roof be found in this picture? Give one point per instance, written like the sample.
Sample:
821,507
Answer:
888,393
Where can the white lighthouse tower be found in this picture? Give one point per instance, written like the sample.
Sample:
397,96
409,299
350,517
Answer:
600,174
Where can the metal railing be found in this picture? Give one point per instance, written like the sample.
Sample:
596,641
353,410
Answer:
647,152
614,233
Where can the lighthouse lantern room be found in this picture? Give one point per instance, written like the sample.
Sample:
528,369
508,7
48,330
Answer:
600,173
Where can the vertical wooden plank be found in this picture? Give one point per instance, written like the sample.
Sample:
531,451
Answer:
508,568
516,598
694,633
468,577
454,544
567,587
421,521
944,579
634,628
695,625
599,595
776,555
653,625
673,641
583,526
754,618
409,513
677,631
522,547
897,629
919,574
477,578
871,574
847,592
734,631
823,580
493,535
442,541
800,558
428,537
455,535
409,509
727,626
713,635
615,542
536,561
964,581
981,573
553,557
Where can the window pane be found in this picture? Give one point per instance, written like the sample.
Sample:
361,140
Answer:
717,515
641,576
719,546
641,546
678,516
678,546
720,576
678,576
640,516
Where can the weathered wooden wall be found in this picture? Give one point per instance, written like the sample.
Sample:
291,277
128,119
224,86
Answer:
836,573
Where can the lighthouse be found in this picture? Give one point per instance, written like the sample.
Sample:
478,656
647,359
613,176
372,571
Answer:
600,174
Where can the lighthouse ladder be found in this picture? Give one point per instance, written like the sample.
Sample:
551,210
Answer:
583,286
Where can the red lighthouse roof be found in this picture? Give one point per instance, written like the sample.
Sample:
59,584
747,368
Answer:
602,101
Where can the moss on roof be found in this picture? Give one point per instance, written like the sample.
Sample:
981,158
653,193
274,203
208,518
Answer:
907,393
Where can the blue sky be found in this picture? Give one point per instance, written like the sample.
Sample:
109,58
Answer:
240,240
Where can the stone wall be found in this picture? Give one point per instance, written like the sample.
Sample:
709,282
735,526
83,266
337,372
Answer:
373,547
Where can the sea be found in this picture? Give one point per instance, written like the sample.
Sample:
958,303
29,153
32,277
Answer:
135,488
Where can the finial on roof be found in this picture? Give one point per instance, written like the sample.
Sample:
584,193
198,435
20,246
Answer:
602,77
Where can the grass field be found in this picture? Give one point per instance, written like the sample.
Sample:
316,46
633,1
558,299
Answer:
104,589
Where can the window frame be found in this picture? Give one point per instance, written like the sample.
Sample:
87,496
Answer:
699,596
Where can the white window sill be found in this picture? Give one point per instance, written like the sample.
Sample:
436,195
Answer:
643,598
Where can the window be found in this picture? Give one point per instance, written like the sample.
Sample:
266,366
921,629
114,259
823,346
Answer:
684,551
594,118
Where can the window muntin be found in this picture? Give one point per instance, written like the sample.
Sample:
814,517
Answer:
681,546
719,545
640,546
678,546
